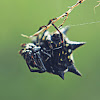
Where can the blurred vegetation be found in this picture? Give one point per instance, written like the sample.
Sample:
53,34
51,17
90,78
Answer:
26,16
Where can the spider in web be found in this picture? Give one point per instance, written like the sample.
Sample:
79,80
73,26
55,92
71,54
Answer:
51,53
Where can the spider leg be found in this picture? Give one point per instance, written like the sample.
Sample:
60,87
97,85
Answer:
32,70
28,61
42,27
37,40
46,53
51,47
61,35
38,34
66,14
96,5
51,21
41,62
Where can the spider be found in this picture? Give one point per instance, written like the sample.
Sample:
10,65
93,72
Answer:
51,52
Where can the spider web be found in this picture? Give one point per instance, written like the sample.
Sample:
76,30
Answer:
84,23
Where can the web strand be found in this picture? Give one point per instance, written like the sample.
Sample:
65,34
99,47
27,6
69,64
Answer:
84,24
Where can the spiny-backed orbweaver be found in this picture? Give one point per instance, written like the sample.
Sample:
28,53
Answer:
51,52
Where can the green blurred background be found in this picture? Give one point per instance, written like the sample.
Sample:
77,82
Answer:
25,17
